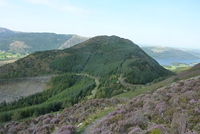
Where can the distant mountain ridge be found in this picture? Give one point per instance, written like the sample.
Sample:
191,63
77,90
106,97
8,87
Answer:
195,52
168,53
5,31
32,42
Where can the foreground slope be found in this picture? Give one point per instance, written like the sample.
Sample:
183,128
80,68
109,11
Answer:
173,109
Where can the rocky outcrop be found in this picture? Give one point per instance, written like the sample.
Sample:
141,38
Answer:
75,39
19,47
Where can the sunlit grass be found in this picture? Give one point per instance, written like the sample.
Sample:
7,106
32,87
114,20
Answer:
8,56
178,68
131,94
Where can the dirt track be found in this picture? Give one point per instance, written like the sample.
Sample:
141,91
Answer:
91,127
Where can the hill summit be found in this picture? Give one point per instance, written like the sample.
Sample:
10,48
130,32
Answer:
110,56
102,56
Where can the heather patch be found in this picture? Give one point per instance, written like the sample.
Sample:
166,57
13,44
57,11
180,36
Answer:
69,121
171,109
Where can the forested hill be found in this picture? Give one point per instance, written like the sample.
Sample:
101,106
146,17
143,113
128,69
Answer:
102,56
26,43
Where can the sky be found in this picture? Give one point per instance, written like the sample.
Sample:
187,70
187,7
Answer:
167,23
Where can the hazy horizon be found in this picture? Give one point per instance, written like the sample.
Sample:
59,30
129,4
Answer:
171,23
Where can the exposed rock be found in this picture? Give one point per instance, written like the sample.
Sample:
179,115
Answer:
75,39
178,124
18,47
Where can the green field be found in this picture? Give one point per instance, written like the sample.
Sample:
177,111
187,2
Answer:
177,67
8,56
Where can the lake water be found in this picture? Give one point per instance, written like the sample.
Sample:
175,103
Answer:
170,61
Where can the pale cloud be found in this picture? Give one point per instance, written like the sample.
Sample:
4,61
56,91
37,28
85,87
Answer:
2,3
72,9
45,2
61,5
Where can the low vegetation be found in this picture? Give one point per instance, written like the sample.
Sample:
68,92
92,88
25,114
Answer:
70,120
171,109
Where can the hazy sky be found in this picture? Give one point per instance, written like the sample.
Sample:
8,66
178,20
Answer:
146,22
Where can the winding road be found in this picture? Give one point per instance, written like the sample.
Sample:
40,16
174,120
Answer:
97,82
